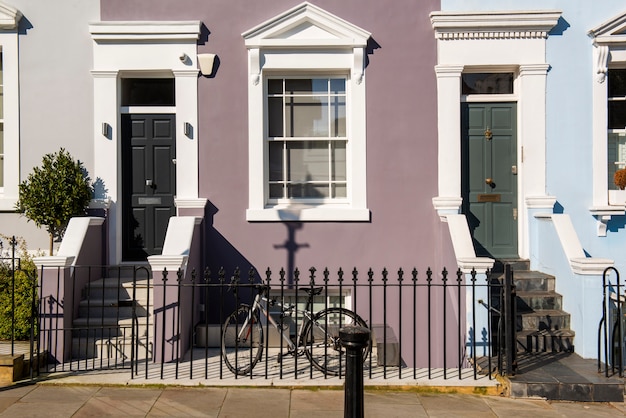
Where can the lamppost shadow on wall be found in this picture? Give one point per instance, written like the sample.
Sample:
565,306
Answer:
289,215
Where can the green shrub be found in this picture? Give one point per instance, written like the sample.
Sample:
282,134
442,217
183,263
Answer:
25,281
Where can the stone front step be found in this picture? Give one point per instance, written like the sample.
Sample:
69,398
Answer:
545,341
539,300
118,289
542,325
110,308
116,348
564,376
545,319
533,281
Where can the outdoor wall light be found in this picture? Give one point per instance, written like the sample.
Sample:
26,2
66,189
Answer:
187,129
105,129
183,57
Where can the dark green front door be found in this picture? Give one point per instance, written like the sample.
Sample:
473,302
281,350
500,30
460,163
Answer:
489,176
148,183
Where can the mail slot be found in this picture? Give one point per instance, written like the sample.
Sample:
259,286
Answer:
149,200
493,197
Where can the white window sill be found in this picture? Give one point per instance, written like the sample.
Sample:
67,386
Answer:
285,213
7,204
603,215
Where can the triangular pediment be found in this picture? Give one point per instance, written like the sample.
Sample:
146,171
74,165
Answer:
611,31
305,25
9,17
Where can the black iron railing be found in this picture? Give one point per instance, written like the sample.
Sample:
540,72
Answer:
612,324
424,325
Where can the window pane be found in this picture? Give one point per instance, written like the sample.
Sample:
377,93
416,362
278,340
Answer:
487,83
617,83
148,92
308,85
275,117
307,191
307,161
275,86
276,191
338,160
616,156
337,86
276,161
338,117
340,191
617,114
307,116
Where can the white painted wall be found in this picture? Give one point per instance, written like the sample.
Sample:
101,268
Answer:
56,90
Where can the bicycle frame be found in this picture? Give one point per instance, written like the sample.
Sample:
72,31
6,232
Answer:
260,304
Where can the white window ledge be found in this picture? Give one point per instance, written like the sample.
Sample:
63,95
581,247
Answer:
307,213
603,215
7,204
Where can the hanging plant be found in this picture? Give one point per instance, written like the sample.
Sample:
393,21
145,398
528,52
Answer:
619,178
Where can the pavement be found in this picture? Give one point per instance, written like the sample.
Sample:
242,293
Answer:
54,400
199,389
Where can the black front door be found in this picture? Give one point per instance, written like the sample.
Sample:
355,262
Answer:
148,183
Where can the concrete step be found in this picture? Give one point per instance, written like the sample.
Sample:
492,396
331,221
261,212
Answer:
118,348
530,281
110,308
563,376
107,327
117,288
545,319
545,341
538,300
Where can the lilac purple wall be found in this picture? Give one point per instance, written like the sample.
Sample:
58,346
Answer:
401,137
404,231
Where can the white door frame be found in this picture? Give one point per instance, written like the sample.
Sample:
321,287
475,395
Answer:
494,42
145,49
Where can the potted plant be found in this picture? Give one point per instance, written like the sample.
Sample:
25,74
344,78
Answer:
619,178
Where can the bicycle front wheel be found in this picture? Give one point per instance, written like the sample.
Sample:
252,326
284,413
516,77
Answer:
242,341
321,339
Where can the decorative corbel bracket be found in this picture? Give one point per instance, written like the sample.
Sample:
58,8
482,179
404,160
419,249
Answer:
602,59
254,65
359,64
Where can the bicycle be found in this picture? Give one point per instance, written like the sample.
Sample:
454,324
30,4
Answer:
317,336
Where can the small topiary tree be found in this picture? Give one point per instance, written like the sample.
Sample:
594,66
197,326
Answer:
55,192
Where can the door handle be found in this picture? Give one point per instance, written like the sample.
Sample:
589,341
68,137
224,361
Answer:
489,182
149,183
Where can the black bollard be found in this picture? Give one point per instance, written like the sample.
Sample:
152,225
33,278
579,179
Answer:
354,339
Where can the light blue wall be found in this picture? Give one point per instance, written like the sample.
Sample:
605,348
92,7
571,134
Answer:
569,148
569,113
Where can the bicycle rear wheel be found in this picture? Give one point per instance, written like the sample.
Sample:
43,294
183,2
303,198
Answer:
321,339
242,341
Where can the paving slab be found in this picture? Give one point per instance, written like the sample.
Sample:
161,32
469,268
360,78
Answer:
189,402
119,401
258,403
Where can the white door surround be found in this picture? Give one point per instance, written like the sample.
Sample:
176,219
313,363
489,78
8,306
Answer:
143,49
494,42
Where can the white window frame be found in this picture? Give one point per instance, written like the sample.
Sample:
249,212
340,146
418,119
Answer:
288,139
609,40
9,20
306,40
